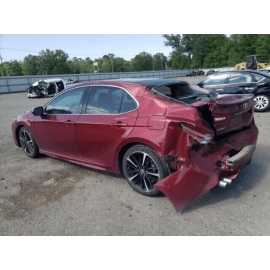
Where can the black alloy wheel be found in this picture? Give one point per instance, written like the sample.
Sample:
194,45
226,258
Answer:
142,168
28,143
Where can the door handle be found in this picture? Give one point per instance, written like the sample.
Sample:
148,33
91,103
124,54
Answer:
69,122
248,88
119,124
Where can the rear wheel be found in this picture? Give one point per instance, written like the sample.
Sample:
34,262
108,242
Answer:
28,143
142,168
262,103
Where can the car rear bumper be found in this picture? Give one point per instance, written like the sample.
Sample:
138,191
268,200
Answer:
208,167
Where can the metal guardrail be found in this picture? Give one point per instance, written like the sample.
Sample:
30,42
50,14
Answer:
20,83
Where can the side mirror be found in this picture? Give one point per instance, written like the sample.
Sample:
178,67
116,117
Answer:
38,111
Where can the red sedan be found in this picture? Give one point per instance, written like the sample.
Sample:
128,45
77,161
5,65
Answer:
165,135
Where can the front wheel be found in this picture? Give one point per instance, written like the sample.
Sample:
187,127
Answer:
142,168
28,143
262,103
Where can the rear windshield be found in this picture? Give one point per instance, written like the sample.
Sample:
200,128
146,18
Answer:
181,92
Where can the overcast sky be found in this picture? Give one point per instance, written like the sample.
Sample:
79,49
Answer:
127,46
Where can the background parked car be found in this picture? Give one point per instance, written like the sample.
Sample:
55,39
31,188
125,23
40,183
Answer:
200,72
211,71
48,87
241,81
191,73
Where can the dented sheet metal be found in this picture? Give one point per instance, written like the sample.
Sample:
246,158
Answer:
191,182
188,184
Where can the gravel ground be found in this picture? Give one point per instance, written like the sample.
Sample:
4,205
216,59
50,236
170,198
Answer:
46,196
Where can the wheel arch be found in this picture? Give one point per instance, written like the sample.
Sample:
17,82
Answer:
17,134
18,128
146,143
262,91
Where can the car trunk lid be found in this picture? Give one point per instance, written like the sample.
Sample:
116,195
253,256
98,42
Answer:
227,112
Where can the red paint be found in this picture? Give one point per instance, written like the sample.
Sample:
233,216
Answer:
97,141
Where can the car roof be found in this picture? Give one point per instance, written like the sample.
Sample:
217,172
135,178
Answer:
242,71
153,82
51,80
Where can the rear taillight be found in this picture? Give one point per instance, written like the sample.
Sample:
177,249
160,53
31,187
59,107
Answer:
200,137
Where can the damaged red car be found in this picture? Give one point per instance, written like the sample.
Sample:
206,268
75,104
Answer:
164,135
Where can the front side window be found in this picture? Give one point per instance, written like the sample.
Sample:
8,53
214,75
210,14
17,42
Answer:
216,79
67,103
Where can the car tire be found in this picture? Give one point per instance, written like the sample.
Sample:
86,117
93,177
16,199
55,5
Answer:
142,168
28,143
262,103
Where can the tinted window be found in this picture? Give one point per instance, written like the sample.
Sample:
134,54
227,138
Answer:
109,100
104,100
238,78
215,79
258,77
128,104
67,103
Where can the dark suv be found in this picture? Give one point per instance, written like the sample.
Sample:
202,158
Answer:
241,81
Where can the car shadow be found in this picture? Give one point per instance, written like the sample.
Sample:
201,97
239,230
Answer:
250,176
82,167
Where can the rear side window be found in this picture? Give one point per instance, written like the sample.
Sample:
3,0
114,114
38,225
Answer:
109,100
238,78
257,77
128,104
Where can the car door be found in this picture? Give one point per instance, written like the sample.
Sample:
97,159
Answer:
55,131
243,80
109,117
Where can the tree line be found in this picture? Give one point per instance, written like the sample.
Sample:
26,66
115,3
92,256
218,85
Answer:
188,51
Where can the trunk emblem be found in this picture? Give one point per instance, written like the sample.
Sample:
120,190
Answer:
244,106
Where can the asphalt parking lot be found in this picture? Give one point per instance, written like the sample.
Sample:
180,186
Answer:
46,196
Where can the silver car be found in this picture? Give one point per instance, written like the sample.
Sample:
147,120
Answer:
46,88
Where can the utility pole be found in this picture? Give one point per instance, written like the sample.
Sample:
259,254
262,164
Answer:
4,74
111,56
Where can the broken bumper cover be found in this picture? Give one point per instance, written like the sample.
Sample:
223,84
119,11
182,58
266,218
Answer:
205,171
243,157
